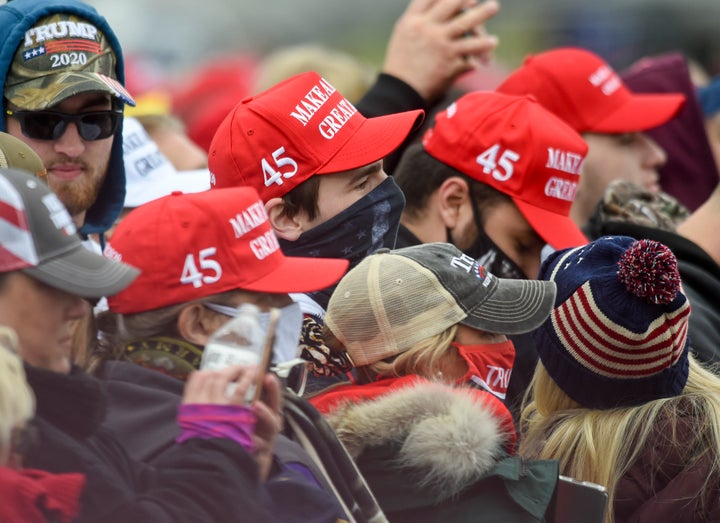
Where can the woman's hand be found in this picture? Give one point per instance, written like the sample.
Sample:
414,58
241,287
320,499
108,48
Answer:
231,386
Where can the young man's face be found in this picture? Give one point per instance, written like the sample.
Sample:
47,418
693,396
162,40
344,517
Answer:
43,318
338,191
631,156
76,168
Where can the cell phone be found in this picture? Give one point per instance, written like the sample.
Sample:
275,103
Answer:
267,352
576,500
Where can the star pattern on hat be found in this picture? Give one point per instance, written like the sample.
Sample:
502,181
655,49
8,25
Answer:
34,52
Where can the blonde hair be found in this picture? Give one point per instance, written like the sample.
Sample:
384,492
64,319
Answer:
17,402
601,445
425,358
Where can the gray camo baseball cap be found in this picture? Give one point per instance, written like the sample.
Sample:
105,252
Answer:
38,237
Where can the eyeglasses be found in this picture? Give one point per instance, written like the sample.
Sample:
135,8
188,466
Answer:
50,125
293,374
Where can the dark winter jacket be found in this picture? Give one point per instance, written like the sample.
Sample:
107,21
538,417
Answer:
16,18
142,407
199,480
435,453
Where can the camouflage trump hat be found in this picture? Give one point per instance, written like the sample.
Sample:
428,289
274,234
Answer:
16,154
62,55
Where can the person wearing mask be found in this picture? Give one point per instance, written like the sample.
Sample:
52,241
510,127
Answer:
425,327
317,164
202,255
495,176
47,281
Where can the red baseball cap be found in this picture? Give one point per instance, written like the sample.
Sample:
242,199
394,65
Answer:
300,127
189,246
582,89
519,148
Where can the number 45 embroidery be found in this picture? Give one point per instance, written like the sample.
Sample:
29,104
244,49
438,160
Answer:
275,174
191,274
489,161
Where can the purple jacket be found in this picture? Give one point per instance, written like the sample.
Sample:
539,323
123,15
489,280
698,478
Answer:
664,484
690,174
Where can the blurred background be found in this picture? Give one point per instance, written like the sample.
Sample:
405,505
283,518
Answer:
172,36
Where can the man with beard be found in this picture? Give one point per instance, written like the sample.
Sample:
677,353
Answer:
63,96
495,176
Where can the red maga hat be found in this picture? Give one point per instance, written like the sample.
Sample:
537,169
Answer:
519,148
582,89
300,127
189,246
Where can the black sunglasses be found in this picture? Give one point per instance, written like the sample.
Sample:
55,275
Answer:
50,125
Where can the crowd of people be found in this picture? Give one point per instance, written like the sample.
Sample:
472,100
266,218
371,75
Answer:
478,293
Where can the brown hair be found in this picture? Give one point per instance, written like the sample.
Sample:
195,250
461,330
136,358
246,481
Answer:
303,198
419,175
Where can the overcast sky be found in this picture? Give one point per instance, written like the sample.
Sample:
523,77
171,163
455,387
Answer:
184,32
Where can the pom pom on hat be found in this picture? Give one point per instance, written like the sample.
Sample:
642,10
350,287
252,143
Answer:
618,334
649,270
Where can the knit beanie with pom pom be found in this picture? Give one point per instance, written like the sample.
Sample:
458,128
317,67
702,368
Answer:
618,335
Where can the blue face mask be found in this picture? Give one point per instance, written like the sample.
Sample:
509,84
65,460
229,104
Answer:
370,224
287,332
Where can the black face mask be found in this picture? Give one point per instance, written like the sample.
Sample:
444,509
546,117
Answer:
371,223
488,254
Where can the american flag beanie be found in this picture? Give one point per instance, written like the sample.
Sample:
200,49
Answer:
618,334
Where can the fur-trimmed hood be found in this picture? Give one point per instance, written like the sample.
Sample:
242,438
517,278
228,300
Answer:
448,437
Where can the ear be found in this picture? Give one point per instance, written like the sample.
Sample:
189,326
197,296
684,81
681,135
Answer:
285,227
196,324
454,200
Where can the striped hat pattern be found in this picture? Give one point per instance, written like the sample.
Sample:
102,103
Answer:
618,334
39,238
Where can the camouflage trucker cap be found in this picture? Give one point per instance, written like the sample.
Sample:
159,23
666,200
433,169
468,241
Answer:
62,55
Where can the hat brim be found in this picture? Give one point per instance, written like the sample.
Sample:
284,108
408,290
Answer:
557,230
298,274
84,273
375,139
640,113
515,307
16,154
33,94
